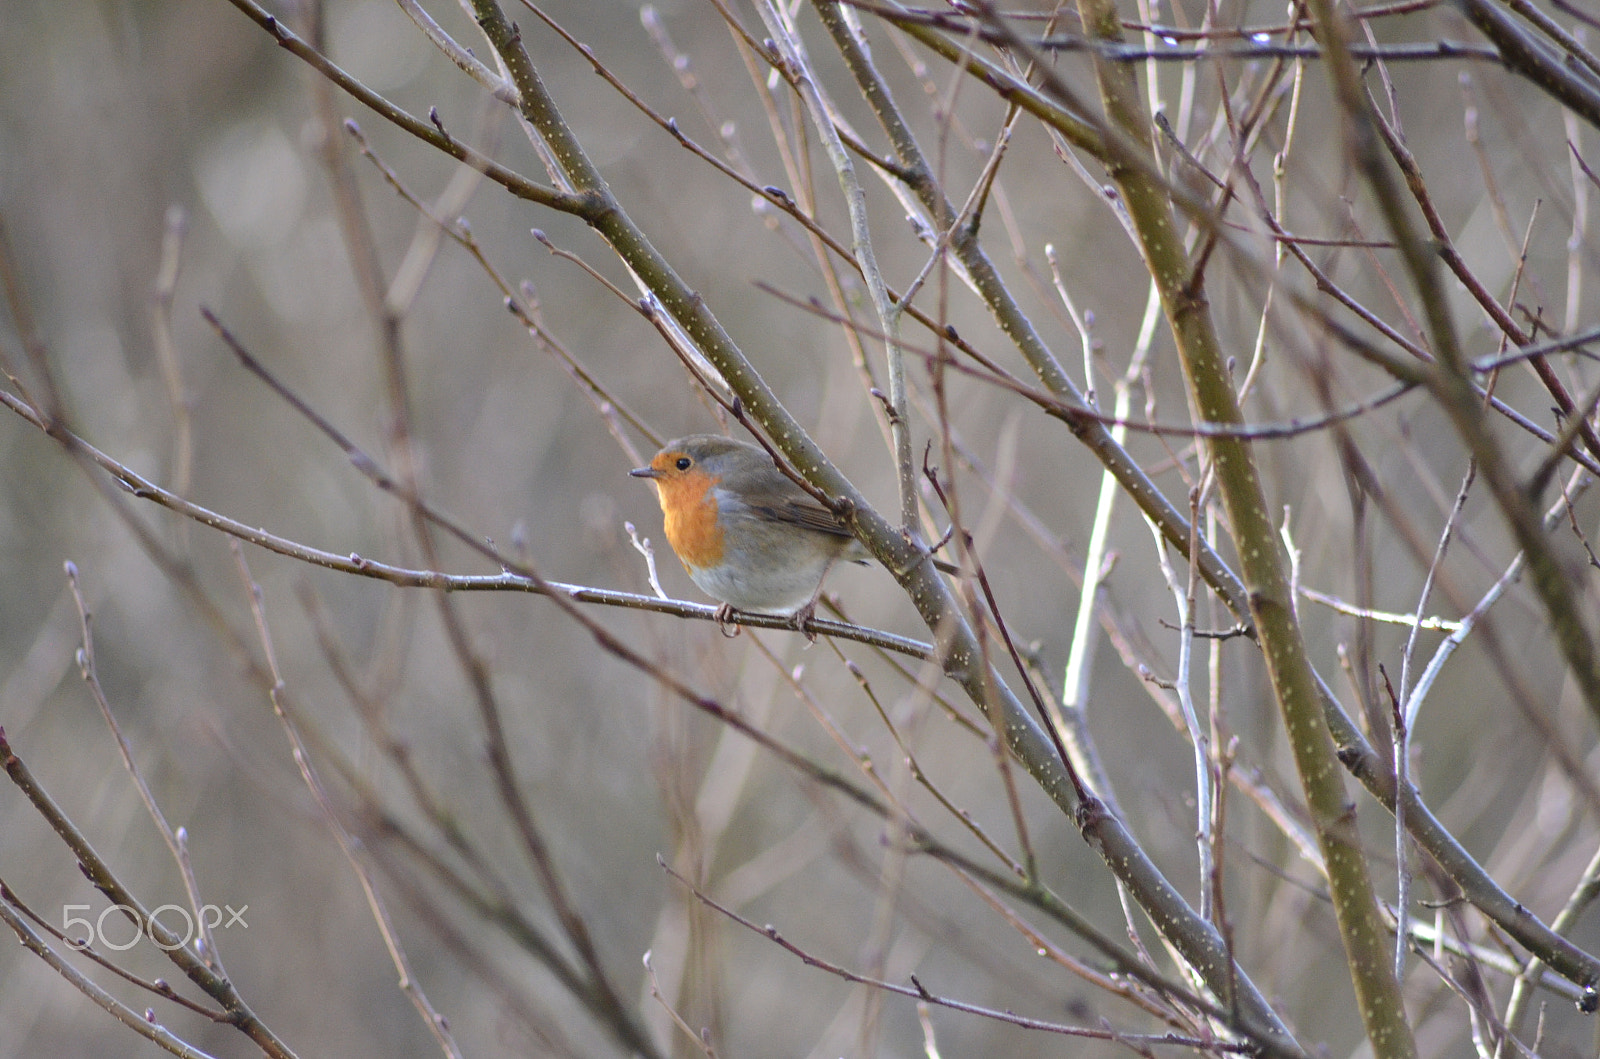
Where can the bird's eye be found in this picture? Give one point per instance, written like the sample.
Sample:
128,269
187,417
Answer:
683,463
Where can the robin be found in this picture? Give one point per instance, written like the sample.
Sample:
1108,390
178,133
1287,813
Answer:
747,534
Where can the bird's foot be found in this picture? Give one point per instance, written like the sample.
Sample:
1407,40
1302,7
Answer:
803,619
725,622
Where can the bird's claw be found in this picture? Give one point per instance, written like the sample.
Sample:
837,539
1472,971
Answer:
803,619
725,622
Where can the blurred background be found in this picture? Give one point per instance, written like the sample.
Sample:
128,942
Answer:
176,131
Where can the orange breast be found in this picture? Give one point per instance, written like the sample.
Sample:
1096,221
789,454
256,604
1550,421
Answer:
690,508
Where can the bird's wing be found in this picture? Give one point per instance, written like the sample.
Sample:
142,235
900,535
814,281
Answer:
801,510
804,513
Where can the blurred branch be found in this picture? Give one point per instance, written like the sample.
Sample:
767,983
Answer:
161,296
431,134
1450,381
518,302
1531,57
919,992
1294,682
176,841
158,986
1306,353
600,995
1446,249
217,986
1007,312
1578,902
965,25
516,575
792,54
145,1026
962,657
278,694
1355,752
462,57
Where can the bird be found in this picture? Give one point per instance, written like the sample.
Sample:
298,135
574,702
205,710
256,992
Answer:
747,534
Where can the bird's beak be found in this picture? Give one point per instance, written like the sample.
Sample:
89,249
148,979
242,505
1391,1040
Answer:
645,472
